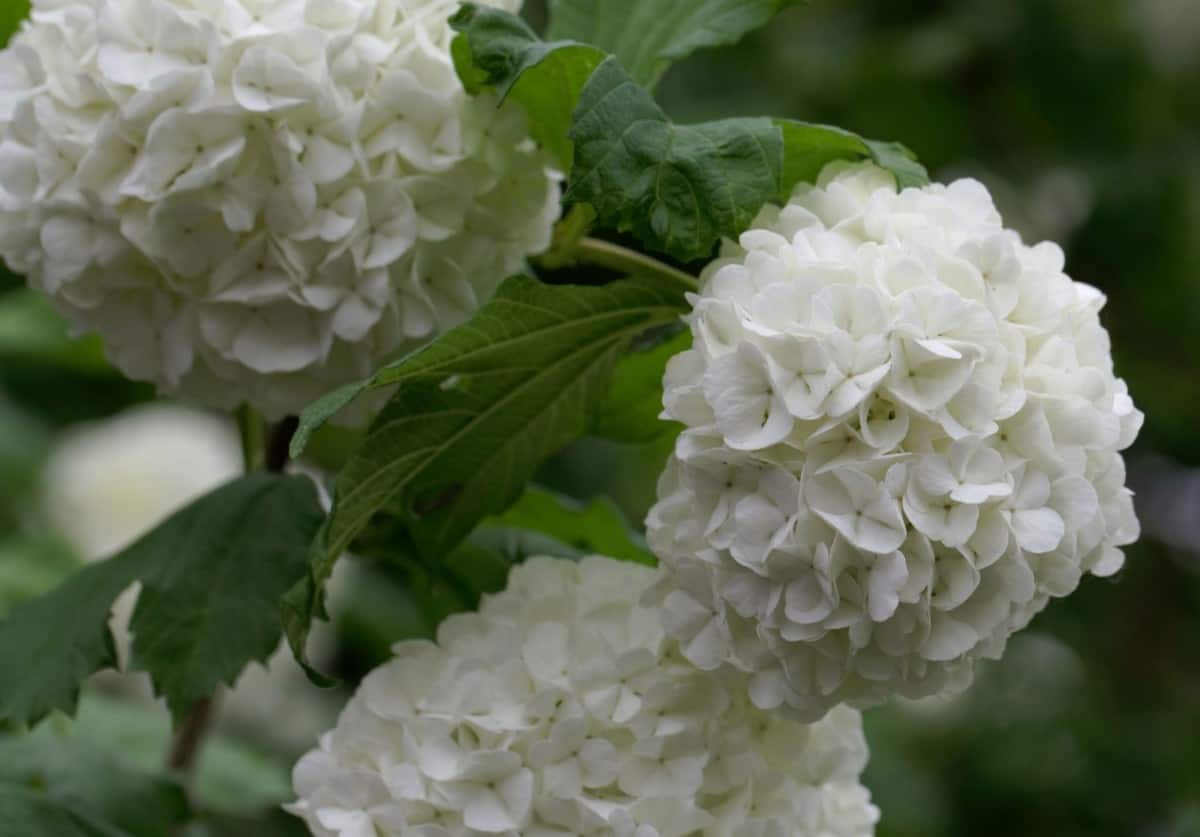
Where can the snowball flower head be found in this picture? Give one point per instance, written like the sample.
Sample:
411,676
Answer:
259,200
902,436
562,709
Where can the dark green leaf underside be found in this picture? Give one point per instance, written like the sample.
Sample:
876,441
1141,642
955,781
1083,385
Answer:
478,411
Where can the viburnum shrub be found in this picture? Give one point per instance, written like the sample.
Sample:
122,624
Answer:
896,425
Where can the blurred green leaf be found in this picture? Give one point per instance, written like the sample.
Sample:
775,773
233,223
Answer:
631,412
680,188
31,566
498,50
23,443
646,36
231,777
68,784
478,411
55,786
595,528
31,330
12,12
25,813
211,575
270,823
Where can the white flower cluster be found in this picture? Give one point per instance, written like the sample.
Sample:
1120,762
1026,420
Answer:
902,436
259,200
561,709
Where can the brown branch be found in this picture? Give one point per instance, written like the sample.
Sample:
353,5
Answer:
188,738
279,438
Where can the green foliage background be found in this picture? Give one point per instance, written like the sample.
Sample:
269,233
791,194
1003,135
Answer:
1083,117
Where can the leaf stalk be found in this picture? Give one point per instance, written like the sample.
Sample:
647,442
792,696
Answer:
615,257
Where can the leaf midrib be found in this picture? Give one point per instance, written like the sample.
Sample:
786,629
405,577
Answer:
479,418
603,349
652,312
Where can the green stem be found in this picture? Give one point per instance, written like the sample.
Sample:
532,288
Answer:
253,433
615,257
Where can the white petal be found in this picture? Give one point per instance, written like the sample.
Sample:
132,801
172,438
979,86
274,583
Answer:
1037,530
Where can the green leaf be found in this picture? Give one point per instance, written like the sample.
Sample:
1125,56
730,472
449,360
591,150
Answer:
44,656
478,411
318,413
270,823
12,13
478,566
54,785
212,575
677,188
808,148
680,188
31,330
26,813
23,444
210,604
631,412
31,566
595,528
646,36
498,50
231,776
900,161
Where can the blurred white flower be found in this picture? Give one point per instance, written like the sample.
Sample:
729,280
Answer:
902,436
259,200
1170,30
109,483
561,708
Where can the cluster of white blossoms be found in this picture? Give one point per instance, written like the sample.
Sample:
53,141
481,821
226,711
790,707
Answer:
259,200
562,709
902,436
